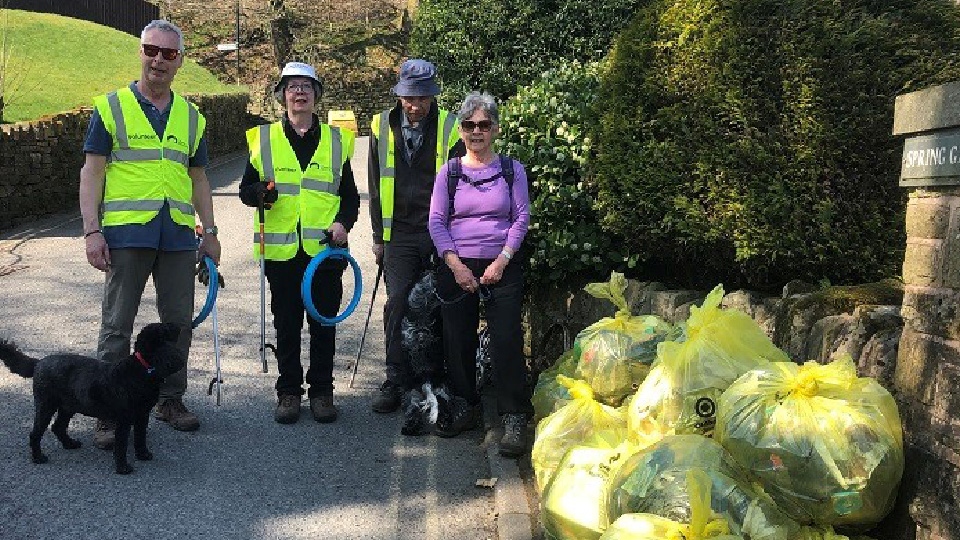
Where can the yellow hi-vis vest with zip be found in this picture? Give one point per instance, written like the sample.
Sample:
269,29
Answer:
142,171
310,198
447,136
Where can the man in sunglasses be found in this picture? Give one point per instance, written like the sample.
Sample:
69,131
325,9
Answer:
408,144
142,187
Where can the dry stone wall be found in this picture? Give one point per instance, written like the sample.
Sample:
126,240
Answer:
40,160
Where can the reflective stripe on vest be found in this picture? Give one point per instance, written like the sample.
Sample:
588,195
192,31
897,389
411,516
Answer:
308,197
122,151
386,154
144,171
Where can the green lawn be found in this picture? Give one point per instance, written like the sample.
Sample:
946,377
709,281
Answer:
58,63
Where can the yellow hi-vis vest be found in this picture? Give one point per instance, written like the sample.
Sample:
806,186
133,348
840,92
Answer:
143,171
310,198
447,136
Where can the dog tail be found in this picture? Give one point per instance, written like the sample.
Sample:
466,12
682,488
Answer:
18,362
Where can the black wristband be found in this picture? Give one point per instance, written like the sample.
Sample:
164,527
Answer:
95,231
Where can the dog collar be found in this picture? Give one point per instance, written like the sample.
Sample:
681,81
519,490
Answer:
143,362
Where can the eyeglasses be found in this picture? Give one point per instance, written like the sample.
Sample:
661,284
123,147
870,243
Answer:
470,125
153,50
305,87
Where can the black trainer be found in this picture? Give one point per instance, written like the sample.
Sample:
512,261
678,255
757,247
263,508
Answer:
462,418
514,440
389,398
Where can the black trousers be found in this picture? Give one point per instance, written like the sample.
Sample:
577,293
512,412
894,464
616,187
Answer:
405,259
461,320
286,305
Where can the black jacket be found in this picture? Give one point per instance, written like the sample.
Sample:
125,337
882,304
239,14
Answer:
305,147
413,184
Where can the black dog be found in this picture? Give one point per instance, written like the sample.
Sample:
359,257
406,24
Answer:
429,401
122,392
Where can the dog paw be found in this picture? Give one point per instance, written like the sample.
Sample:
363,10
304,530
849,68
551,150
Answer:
143,455
40,458
124,468
71,444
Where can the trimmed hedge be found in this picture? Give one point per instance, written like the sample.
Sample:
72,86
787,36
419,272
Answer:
748,141
544,126
500,45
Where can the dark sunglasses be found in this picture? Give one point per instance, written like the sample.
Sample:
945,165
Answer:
153,50
470,125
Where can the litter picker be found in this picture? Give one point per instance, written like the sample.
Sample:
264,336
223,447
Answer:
366,325
209,275
263,284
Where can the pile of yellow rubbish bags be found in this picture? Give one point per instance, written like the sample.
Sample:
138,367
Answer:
705,429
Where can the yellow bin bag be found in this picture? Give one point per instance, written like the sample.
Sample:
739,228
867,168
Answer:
614,354
680,393
703,523
825,444
549,395
582,419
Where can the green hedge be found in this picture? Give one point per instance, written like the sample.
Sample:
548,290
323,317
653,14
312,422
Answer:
748,141
500,45
544,126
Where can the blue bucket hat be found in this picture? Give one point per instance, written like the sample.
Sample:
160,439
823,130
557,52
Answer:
417,78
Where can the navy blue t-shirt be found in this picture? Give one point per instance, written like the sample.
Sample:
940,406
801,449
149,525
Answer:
161,232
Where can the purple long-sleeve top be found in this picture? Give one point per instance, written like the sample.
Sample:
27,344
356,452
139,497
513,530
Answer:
485,218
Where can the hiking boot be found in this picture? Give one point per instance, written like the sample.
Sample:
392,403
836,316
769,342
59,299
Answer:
514,440
175,413
323,409
389,398
288,409
462,419
104,434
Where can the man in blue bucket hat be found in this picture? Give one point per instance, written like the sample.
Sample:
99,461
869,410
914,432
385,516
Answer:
408,144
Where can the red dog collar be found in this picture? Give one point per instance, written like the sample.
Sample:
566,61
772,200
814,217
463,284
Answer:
143,362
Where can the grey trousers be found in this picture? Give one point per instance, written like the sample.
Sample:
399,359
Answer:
173,278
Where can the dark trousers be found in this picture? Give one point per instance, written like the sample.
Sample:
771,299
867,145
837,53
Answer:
288,312
461,320
173,278
405,259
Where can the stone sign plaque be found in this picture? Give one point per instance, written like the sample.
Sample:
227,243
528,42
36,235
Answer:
931,160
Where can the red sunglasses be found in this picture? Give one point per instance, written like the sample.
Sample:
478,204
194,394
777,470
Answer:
153,50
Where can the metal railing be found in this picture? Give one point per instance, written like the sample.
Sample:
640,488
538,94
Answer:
128,16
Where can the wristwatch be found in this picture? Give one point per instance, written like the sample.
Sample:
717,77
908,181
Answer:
506,254
211,230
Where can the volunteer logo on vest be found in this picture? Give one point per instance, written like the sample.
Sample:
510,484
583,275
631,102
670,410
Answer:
286,169
175,140
142,136
313,165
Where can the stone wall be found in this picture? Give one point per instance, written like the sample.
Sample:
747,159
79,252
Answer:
365,99
928,366
811,324
40,166
40,160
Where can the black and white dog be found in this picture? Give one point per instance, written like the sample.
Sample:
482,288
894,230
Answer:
429,400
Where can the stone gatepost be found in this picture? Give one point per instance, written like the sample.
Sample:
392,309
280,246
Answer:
927,376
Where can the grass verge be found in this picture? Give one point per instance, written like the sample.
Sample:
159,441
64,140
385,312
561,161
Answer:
59,63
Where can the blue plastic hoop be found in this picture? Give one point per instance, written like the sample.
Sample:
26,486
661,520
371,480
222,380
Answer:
306,286
212,288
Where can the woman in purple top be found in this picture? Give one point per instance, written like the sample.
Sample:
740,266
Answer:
476,230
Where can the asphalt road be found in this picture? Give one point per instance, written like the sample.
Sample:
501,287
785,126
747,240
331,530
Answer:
241,475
